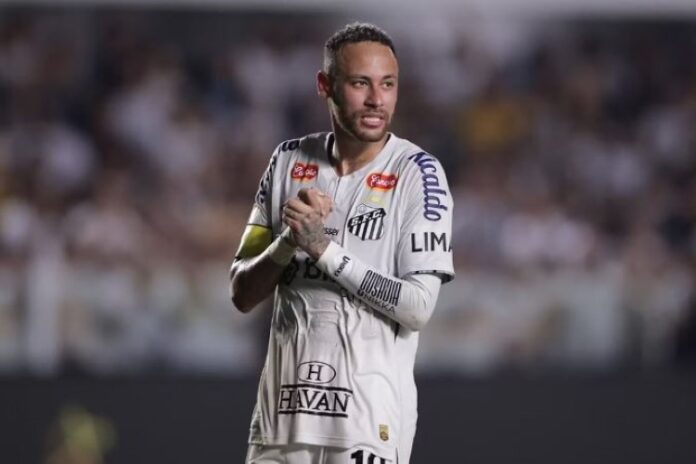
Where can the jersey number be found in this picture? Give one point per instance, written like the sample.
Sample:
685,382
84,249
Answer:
290,145
358,456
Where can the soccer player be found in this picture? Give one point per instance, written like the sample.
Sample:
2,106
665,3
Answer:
352,230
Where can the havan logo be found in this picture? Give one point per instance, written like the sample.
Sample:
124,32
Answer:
315,372
314,400
303,172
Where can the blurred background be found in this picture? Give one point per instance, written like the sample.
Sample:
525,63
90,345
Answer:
132,140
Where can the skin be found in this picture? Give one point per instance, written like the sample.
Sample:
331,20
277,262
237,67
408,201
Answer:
252,280
365,85
361,98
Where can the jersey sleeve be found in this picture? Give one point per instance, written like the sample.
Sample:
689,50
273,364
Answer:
258,233
425,242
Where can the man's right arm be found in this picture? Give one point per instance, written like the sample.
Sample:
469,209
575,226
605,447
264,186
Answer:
254,275
260,260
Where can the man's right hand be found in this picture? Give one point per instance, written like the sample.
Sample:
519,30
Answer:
318,200
305,216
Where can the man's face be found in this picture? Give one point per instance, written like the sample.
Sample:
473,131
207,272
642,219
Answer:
364,91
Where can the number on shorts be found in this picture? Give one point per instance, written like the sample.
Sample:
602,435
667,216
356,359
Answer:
357,457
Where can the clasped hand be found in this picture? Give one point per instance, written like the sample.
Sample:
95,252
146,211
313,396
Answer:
305,216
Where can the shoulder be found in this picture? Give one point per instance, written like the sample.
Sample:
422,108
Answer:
309,145
414,160
423,178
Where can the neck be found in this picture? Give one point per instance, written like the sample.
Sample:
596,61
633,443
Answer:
350,154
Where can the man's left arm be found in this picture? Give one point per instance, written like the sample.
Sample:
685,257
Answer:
409,300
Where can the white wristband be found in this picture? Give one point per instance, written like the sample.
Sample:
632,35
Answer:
280,250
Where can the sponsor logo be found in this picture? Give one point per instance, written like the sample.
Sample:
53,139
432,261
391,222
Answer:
383,432
303,172
368,224
380,291
430,241
307,269
330,231
316,372
290,271
344,262
312,272
432,193
314,400
347,295
379,181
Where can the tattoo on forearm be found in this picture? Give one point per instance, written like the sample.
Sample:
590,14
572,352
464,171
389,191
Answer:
313,232
311,237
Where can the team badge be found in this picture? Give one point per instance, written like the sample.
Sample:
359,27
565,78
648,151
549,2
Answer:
379,181
303,172
368,224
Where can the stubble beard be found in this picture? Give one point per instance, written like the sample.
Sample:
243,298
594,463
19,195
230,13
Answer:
350,123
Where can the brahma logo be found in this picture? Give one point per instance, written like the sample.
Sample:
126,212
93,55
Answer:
379,181
303,172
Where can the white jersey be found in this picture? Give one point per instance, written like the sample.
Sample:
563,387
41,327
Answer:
337,372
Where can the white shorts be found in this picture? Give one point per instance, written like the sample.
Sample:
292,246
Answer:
310,454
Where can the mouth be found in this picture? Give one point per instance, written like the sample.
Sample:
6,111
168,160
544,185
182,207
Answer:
373,120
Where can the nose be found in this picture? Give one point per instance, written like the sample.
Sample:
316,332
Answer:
374,97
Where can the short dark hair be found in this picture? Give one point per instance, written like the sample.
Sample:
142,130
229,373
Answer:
353,33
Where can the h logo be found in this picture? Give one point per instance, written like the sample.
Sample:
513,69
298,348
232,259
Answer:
315,372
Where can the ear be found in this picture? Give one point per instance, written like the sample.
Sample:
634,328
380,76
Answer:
323,85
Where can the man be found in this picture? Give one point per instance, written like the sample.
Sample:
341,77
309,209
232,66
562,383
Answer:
352,230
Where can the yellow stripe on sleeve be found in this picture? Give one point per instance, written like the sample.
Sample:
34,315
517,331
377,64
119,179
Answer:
254,241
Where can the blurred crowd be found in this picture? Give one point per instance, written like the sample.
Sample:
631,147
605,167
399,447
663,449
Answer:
131,145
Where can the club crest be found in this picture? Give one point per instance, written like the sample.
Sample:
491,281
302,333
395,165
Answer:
368,224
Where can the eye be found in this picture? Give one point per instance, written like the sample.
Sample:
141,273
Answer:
389,84
359,83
